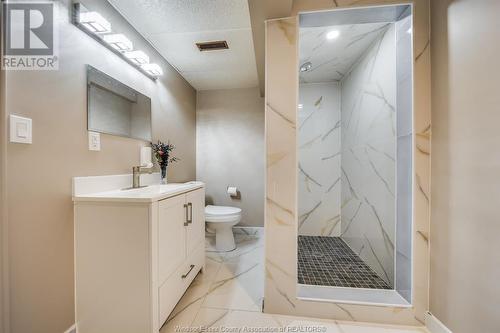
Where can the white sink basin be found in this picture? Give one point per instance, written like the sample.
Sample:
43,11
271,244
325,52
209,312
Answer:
148,193
154,188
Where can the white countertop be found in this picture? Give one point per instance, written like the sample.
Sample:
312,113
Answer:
146,194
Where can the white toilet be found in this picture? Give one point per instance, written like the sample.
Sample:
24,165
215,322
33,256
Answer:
221,219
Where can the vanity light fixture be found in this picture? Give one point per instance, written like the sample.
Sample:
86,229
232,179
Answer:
333,34
97,27
152,69
300,106
119,42
94,22
138,57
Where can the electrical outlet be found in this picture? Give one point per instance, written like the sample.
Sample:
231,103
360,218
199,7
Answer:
94,141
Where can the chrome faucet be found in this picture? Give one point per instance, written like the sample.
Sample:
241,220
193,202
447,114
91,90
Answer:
136,175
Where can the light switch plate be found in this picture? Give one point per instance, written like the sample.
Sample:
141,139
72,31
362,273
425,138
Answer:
94,141
20,129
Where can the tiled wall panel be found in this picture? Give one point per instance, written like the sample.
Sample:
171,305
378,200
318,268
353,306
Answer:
369,156
319,159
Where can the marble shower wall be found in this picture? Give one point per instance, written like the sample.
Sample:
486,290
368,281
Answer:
319,159
369,156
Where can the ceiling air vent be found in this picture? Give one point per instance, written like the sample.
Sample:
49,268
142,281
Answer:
212,46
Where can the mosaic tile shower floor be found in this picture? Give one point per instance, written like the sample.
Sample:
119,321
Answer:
329,261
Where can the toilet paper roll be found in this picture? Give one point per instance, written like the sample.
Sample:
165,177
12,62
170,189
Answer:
232,191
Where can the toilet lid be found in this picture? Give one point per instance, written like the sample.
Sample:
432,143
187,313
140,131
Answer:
221,210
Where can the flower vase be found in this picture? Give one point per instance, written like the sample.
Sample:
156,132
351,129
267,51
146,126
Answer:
163,175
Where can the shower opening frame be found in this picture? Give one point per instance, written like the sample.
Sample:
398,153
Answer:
368,296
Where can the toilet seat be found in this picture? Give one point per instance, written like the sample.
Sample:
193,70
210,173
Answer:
222,213
221,210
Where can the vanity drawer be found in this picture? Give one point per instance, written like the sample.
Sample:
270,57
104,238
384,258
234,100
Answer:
173,289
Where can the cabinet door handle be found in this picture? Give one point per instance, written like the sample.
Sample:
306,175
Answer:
190,206
190,269
186,222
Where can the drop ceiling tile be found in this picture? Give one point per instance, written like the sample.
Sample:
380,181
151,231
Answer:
156,16
222,79
181,50
174,26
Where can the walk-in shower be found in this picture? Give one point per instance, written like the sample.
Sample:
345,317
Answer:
355,155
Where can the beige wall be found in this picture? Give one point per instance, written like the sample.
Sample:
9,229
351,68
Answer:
230,149
40,213
465,289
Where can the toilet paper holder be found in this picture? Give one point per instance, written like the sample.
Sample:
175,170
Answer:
233,192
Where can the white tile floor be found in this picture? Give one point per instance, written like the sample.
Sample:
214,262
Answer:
227,297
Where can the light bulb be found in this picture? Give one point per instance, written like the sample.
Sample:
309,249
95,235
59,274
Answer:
138,57
333,34
94,22
119,42
152,69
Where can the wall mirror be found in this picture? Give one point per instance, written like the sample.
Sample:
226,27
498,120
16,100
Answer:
115,108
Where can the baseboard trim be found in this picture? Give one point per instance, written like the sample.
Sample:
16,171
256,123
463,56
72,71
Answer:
434,325
72,329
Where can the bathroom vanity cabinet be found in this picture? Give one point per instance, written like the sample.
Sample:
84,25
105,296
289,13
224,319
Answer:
136,253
